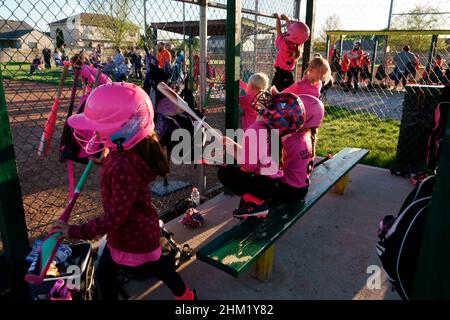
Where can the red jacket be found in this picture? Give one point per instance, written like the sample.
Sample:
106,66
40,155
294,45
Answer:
130,220
355,58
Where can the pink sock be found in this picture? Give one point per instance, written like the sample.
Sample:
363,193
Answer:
187,295
251,198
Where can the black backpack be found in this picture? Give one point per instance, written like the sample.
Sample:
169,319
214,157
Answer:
401,238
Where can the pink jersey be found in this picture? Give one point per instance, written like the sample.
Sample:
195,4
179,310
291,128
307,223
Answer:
284,58
134,259
298,161
88,75
249,113
305,87
255,156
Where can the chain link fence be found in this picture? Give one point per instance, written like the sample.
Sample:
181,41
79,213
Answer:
366,112
35,38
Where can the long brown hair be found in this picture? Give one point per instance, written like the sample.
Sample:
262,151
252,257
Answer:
314,133
153,154
295,50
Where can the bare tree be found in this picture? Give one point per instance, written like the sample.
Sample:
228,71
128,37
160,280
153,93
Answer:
332,22
419,18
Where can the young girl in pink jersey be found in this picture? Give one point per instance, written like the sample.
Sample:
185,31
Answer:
256,83
289,50
298,150
119,116
317,74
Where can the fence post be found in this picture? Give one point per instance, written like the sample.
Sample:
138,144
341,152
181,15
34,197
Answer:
203,74
13,227
310,17
327,49
145,23
233,61
297,5
432,52
433,267
255,39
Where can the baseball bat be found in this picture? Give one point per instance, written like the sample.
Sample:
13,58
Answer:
183,105
51,244
47,135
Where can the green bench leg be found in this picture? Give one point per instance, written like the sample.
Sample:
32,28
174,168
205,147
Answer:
340,186
262,269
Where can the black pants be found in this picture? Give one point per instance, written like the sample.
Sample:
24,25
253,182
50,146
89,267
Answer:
283,79
138,71
403,76
353,73
273,190
107,272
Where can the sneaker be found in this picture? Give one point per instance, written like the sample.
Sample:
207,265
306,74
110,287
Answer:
252,210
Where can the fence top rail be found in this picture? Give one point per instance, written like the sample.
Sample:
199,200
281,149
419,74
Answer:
385,32
218,5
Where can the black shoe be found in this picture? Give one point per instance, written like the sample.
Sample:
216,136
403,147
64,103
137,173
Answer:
252,210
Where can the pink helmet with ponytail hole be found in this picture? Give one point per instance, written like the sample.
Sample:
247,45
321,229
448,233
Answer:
298,32
314,109
117,116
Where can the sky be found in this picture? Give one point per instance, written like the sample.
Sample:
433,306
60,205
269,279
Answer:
353,14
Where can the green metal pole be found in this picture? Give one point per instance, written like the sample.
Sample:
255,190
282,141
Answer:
341,47
327,49
310,17
297,17
433,268
191,61
232,63
432,52
13,227
374,57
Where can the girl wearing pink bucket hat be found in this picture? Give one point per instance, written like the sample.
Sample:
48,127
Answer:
119,117
289,47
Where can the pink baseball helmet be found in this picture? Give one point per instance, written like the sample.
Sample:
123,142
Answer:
117,115
298,32
314,109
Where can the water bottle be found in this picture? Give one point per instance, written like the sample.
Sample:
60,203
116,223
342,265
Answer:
60,291
195,196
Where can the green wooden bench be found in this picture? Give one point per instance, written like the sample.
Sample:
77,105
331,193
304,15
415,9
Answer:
251,243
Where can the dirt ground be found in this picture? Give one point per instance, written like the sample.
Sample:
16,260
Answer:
44,180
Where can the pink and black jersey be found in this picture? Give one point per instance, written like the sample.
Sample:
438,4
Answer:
249,113
256,154
285,53
298,161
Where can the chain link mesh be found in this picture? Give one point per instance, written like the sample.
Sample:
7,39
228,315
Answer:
369,117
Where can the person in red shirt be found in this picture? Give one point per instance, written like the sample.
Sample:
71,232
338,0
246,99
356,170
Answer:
366,62
120,118
344,67
355,57
163,56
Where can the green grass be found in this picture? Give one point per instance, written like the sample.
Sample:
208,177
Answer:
21,71
343,128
